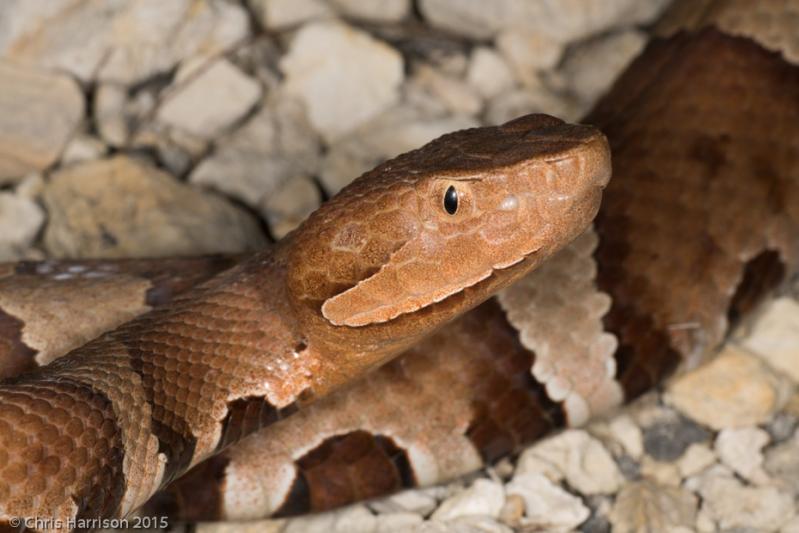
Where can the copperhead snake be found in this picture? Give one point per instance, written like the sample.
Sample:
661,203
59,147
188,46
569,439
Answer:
639,298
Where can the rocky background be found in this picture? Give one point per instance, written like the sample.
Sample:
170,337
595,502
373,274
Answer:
167,127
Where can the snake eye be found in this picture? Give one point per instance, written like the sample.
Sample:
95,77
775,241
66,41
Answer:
451,200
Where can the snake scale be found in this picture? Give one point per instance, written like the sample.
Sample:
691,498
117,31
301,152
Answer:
698,224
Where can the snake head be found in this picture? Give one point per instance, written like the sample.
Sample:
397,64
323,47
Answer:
469,212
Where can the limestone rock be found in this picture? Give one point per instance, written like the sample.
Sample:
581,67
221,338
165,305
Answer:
122,207
39,112
585,463
117,40
344,76
83,148
397,522
646,506
741,450
593,66
488,72
20,221
733,505
258,159
528,52
565,20
375,10
547,506
284,14
457,97
516,102
409,501
775,336
483,497
209,99
667,439
734,390
695,459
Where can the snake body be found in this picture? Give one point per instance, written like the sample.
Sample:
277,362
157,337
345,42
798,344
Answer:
99,430
698,224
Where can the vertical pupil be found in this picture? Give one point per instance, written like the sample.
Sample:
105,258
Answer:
451,200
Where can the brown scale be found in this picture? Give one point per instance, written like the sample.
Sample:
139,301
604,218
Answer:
703,133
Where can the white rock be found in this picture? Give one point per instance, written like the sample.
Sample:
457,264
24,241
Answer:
344,76
83,148
623,430
354,519
531,463
565,20
376,10
584,462
313,523
413,501
283,14
20,220
255,526
696,458
483,497
734,390
775,336
476,524
792,526
528,52
397,522
592,67
457,96
647,506
39,112
546,504
488,72
741,450
259,158
209,100
118,40
733,505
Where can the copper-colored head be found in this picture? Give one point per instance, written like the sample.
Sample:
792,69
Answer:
467,213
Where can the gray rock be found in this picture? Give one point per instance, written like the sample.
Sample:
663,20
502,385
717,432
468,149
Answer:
668,441
122,207
39,112
343,75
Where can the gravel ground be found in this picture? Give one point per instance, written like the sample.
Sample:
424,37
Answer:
133,128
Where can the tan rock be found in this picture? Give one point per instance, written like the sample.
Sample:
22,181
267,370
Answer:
290,204
741,450
122,207
39,112
646,506
457,96
734,390
483,497
547,506
489,73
